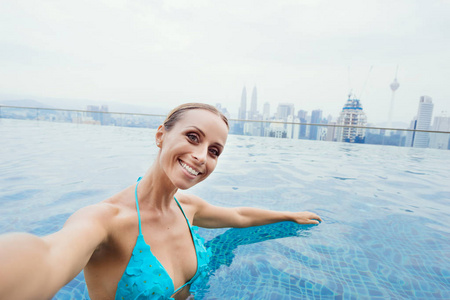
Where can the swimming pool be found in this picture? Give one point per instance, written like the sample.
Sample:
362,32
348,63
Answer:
386,209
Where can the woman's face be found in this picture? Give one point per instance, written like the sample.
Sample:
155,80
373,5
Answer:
191,148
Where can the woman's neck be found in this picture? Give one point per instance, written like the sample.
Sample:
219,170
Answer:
155,189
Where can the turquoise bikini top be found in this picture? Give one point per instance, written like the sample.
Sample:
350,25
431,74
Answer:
146,278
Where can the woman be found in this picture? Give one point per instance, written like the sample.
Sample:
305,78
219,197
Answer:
139,243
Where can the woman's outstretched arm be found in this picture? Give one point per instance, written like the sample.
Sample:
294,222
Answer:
211,216
34,267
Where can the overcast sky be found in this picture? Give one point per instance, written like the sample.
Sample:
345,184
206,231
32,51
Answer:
310,53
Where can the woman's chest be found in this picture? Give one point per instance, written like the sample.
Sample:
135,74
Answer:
172,245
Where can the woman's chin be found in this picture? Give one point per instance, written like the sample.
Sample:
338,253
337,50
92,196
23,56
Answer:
183,185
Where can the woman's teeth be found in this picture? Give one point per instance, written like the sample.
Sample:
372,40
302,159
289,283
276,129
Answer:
189,169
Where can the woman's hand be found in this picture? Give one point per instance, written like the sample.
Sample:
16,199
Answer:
306,217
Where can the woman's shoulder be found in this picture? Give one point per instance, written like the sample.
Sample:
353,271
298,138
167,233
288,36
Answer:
105,212
99,214
188,199
191,204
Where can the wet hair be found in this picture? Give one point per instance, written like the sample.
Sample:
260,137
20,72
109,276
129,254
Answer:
175,115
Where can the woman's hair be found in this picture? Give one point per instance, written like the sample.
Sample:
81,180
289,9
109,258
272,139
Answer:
175,115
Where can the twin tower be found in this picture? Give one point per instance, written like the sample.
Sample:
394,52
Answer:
253,112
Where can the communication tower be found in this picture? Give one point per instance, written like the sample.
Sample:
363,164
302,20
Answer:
394,86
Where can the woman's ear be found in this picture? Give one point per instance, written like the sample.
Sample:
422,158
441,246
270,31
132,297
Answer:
159,136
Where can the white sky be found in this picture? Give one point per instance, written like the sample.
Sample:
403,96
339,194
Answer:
155,53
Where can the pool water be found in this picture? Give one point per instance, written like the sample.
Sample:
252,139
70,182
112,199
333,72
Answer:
385,209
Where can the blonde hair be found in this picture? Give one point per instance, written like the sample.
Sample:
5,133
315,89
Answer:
178,112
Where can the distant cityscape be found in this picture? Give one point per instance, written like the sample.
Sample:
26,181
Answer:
350,126
94,115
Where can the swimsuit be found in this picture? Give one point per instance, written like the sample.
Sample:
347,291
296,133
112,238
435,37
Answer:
145,277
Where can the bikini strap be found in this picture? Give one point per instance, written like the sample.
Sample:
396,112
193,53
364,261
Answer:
137,205
179,205
196,252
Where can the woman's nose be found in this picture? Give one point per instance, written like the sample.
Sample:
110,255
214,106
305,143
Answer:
200,155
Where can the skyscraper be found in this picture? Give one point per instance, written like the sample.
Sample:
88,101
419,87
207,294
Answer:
421,122
242,114
316,118
284,110
290,127
253,113
243,107
302,114
352,114
266,111
440,140
105,118
223,110
98,114
302,117
331,132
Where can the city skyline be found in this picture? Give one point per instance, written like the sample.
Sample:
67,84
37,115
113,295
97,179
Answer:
352,114
310,53
280,125
253,113
239,114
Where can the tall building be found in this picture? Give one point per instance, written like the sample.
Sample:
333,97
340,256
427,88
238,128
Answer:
316,118
254,128
243,107
421,122
290,127
440,140
410,135
331,132
91,110
105,118
98,114
223,110
242,114
352,114
284,110
296,133
266,111
302,116
253,113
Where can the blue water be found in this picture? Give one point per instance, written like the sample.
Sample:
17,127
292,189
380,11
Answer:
386,209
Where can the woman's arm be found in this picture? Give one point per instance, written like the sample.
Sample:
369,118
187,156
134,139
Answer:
34,267
211,216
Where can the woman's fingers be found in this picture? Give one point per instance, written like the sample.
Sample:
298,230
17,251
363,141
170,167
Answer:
317,217
307,217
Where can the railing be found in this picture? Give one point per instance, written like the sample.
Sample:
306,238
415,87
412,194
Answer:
268,128
81,116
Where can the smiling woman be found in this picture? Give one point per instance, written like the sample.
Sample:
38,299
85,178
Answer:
139,243
192,137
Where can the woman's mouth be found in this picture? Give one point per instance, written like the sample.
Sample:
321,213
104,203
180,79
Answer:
188,169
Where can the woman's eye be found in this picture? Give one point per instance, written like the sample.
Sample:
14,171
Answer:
192,137
214,152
